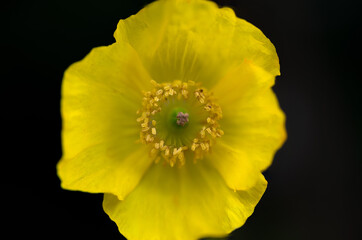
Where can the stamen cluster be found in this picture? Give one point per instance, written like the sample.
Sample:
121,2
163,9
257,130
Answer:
152,104
211,130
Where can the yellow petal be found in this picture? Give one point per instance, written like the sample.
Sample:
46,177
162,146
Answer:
237,169
194,40
100,97
256,127
242,82
102,168
182,204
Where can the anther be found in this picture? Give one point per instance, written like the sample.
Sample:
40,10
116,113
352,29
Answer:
159,92
167,151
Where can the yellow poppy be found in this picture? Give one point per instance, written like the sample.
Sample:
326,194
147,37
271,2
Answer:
174,122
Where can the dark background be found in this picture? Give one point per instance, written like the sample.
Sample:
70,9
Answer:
315,181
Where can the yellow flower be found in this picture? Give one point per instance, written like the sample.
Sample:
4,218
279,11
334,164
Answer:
174,122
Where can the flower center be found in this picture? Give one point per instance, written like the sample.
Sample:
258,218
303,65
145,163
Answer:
179,121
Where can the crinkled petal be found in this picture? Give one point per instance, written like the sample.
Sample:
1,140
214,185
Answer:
253,123
241,83
255,127
194,40
100,97
238,171
182,204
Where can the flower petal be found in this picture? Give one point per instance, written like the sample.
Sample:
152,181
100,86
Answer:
182,203
100,97
104,168
243,82
256,127
234,166
194,40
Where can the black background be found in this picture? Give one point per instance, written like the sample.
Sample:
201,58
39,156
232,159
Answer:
315,180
